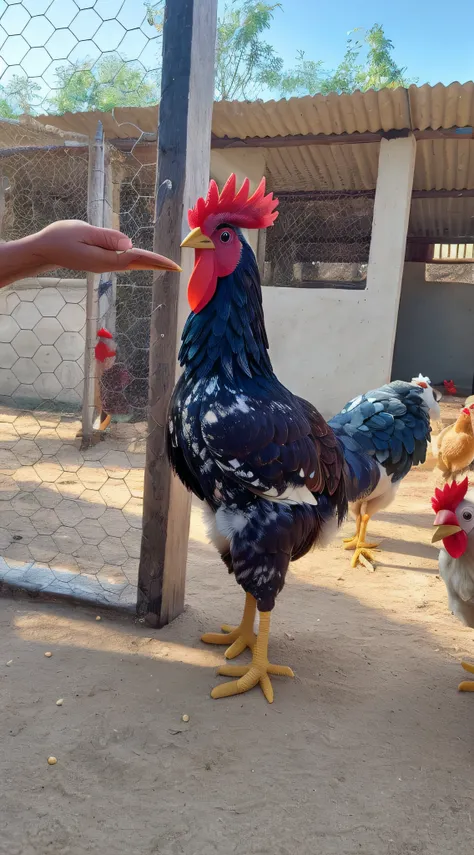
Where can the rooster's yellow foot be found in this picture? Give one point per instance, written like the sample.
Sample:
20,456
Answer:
249,676
239,637
257,672
467,685
353,543
364,555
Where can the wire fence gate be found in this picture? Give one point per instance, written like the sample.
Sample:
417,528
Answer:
73,427
78,129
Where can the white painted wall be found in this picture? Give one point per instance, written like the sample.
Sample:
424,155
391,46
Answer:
42,341
330,345
435,324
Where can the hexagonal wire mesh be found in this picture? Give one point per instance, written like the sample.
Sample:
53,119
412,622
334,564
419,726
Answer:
70,517
320,240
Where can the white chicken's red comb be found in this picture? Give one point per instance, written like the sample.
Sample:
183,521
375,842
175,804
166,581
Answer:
236,208
449,497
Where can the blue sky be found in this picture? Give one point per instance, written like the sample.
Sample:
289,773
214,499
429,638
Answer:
432,39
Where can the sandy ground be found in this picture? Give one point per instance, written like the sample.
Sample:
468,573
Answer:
369,750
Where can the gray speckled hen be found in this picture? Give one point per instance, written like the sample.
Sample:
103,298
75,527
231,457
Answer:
391,426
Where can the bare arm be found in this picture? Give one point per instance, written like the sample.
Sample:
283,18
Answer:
75,245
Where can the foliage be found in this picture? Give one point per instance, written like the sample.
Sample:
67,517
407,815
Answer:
246,66
245,62
368,63
155,15
111,82
18,96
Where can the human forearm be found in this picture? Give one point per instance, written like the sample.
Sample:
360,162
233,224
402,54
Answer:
19,259
75,245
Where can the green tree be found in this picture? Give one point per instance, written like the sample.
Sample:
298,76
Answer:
245,62
307,77
368,63
18,96
111,82
6,109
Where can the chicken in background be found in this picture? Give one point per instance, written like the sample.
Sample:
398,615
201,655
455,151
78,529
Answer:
390,428
454,446
454,521
112,379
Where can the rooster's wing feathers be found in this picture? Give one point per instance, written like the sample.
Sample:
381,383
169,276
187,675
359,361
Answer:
275,445
389,424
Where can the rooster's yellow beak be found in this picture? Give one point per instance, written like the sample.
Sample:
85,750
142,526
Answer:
196,240
444,531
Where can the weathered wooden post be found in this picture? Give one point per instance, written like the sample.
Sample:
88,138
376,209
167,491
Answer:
184,138
95,215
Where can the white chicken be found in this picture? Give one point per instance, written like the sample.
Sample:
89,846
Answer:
454,521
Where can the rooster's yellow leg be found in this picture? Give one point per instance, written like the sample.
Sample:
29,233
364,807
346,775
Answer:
351,542
239,637
257,672
467,685
363,552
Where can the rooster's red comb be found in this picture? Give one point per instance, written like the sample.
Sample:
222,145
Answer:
234,207
449,497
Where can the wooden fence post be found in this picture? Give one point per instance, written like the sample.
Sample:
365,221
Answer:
184,139
95,215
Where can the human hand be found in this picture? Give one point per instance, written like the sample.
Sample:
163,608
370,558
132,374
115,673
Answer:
76,245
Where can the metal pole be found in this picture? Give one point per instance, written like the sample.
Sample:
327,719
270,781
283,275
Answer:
95,210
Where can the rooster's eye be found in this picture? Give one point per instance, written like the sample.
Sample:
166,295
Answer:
225,237
466,515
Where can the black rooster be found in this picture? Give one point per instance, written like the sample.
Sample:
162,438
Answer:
265,462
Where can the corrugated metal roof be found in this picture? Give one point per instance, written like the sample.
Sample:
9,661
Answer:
418,108
442,106
327,167
18,134
443,164
123,123
319,114
442,218
440,165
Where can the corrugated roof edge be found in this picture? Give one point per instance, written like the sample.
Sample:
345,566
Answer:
417,107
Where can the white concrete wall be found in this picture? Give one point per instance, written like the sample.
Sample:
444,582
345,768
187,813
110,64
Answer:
435,324
42,341
330,345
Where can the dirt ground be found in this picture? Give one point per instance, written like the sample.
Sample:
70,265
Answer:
369,750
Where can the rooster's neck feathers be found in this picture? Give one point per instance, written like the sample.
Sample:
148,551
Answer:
230,330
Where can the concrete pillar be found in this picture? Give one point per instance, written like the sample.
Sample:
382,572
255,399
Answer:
246,164
387,248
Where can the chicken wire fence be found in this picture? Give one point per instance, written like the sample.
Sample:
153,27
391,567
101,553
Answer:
320,240
71,510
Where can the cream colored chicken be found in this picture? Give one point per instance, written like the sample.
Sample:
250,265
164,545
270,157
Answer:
455,445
